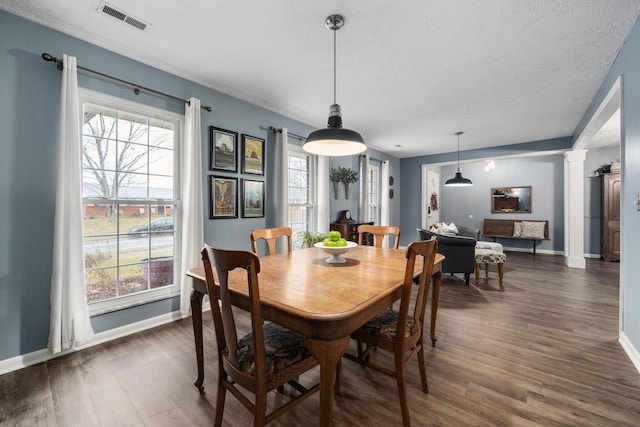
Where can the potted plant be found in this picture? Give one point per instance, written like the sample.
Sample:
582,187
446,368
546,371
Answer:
350,176
336,178
307,239
343,175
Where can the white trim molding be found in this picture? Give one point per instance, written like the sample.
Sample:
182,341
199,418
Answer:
39,356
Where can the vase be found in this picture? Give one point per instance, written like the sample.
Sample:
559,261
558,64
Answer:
348,186
337,189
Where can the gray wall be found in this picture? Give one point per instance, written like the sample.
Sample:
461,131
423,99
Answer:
28,128
627,64
470,205
595,157
459,203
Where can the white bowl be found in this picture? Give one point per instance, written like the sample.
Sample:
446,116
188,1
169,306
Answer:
335,252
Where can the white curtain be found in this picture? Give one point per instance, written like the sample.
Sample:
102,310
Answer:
70,324
191,220
384,199
322,202
282,184
364,188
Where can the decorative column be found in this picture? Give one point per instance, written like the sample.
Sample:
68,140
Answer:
574,208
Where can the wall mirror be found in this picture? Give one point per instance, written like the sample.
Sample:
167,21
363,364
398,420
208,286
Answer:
511,200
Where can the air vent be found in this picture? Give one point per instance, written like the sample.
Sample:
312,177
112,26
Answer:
112,12
121,16
133,21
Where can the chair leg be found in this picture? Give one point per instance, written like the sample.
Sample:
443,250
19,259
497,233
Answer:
402,390
222,391
477,271
423,369
500,272
486,270
466,278
260,410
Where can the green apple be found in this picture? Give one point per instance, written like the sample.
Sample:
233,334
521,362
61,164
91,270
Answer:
341,242
334,235
327,242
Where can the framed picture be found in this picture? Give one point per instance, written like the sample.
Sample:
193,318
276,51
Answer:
252,198
223,197
223,149
252,155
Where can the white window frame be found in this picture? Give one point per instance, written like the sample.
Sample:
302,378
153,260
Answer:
313,204
147,296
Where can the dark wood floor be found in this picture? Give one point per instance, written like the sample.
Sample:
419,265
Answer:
541,350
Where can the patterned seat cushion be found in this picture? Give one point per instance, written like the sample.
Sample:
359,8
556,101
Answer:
384,325
489,256
283,348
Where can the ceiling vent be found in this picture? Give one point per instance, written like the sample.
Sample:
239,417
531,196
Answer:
121,16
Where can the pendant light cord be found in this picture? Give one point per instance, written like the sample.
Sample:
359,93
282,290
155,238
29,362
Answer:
334,65
458,152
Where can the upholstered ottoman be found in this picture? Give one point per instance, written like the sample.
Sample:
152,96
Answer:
486,257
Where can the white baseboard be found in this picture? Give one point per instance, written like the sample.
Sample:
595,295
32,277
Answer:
538,251
630,350
39,356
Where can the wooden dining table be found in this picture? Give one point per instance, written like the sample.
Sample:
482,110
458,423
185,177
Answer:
323,302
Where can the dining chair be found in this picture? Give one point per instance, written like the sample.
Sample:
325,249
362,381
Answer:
401,332
271,236
379,231
266,358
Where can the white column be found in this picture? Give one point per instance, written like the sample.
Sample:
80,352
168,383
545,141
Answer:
574,208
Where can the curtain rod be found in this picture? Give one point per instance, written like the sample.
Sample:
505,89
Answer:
136,87
373,158
272,129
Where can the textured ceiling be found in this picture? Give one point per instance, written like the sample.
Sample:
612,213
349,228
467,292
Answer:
409,75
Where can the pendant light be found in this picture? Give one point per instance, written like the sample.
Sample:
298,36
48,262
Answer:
458,180
334,140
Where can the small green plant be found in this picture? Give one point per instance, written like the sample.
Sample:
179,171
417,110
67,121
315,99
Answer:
341,174
306,239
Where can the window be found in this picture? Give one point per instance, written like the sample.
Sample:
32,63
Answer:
373,193
130,202
301,190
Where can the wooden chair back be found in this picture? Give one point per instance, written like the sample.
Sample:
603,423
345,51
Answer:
271,236
258,381
379,231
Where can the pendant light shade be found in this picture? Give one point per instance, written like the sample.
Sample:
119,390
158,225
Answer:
458,180
334,140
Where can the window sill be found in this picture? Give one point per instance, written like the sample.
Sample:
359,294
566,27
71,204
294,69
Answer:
123,303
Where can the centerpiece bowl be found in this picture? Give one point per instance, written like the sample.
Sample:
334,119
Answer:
335,252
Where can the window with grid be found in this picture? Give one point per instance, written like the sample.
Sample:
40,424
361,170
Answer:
301,190
373,193
130,202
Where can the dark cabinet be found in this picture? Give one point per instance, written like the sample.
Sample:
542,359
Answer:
349,231
610,228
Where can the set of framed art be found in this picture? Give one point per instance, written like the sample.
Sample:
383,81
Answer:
223,190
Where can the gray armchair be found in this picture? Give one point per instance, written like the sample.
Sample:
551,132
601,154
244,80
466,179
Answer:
458,249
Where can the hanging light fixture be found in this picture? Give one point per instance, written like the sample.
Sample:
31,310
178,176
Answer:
334,140
458,180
